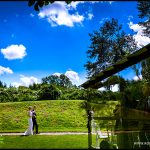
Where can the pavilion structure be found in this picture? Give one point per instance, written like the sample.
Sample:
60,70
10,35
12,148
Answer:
96,82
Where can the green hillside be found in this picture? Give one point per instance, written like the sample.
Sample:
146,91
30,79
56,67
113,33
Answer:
52,115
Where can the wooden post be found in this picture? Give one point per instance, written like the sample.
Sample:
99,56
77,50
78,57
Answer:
89,130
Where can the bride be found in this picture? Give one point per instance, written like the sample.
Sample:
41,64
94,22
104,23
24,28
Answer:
29,131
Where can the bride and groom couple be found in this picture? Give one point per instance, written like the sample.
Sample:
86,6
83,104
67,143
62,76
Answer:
31,121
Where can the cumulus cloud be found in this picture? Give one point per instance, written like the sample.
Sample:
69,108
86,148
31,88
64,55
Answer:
16,84
73,76
139,37
25,81
28,80
14,52
4,70
136,78
58,14
74,4
90,16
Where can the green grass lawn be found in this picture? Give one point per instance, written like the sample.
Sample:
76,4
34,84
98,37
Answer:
52,115
44,142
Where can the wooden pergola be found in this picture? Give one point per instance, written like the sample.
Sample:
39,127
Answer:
95,82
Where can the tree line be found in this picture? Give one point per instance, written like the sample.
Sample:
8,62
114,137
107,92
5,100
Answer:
53,87
108,45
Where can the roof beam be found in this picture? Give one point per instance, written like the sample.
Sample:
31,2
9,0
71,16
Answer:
126,62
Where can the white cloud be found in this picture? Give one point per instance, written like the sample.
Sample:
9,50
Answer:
135,27
5,70
102,89
115,88
14,52
16,84
139,37
90,16
57,74
136,78
28,80
25,81
74,4
58,14
73,76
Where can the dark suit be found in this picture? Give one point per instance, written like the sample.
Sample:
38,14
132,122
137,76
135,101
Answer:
35,125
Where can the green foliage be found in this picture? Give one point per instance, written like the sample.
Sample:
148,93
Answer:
75,93
61,81
108,45
135,94
35,86
2,85
54,92
146,69
13,94
104,110
50,92
144,12
143,8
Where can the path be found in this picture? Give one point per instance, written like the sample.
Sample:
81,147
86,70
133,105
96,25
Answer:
48,133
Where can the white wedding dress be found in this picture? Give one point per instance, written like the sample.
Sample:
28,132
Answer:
29,131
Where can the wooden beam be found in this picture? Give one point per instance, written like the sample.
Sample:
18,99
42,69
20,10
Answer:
130,60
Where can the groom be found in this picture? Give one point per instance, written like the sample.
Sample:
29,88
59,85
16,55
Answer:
35,125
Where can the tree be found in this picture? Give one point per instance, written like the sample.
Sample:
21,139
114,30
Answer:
146,76
61,80
146,69
2,85
50,92
52,79
65,81
41,3
108,45
144,12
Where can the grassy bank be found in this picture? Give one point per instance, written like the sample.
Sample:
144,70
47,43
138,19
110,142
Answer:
52,115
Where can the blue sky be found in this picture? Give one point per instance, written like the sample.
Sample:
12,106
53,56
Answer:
54,40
